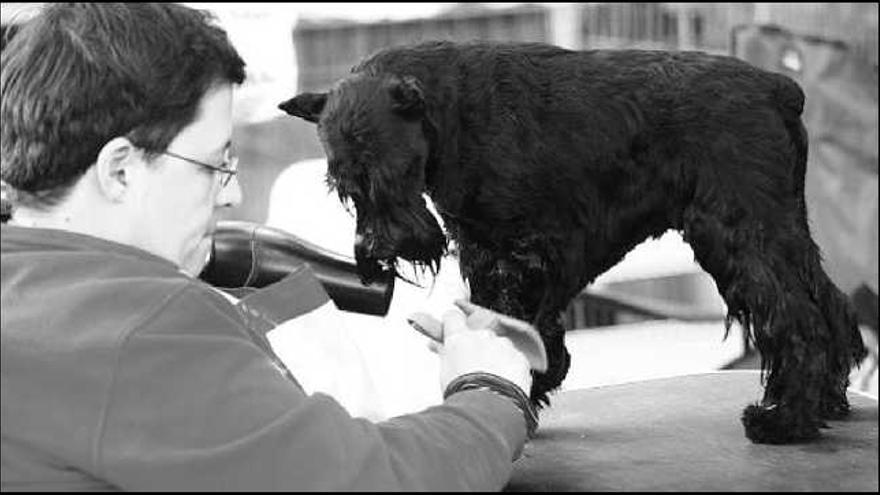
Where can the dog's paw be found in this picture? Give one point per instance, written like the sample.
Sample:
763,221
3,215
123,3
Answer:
770,423
834,408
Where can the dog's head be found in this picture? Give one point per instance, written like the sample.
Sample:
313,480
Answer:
373,132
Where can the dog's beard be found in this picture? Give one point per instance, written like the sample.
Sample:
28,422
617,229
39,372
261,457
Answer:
412,234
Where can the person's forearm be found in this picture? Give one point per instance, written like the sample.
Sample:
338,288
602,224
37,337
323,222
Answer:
467,443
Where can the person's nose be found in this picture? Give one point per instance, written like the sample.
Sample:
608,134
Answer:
230,195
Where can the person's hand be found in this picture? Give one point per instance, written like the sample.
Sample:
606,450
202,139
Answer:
524,336
474,342
470,345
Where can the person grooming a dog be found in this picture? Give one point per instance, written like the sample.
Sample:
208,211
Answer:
121,369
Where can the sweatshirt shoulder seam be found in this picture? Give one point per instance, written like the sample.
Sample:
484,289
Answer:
123,337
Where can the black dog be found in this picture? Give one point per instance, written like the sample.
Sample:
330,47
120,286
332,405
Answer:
548,165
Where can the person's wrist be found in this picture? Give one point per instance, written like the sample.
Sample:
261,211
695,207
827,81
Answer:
499,386
481,350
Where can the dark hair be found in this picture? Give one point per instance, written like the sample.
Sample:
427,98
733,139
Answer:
79,74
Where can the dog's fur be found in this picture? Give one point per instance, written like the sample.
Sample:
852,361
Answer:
548,165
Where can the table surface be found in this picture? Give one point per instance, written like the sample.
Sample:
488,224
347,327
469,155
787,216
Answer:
684,434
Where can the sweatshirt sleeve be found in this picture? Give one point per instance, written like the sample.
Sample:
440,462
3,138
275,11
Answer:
195,404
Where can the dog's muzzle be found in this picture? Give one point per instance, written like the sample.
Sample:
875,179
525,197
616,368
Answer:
371,265
413,235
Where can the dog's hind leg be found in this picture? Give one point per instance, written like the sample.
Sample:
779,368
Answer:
766,272
747,224
847,350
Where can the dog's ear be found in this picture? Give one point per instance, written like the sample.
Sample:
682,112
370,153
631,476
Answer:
407,97
306,106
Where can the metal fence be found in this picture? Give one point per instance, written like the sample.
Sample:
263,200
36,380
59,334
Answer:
326,50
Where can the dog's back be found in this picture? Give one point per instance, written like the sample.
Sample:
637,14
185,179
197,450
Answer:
556,85
608,129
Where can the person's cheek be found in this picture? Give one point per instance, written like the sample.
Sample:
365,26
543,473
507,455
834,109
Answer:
197,242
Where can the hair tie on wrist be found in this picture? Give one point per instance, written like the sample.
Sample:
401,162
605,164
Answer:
500,386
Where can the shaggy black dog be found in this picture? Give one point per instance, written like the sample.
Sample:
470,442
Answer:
548,165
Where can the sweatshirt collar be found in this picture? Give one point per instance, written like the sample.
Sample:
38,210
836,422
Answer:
18,238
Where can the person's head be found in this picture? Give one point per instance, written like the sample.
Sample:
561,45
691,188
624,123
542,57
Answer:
95,96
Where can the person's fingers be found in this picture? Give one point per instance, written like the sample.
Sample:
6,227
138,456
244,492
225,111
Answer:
466,306
453,322
427,325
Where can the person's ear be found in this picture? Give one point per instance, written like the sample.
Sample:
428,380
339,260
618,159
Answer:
114,168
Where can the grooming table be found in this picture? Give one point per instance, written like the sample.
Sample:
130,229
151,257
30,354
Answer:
684,434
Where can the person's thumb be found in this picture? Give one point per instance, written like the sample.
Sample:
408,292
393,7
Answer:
477,316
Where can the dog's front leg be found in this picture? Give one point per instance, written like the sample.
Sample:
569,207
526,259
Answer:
515,284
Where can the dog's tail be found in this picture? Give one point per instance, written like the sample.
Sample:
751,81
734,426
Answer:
790,100
788,94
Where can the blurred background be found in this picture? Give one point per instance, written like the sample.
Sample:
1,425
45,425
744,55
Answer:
656,312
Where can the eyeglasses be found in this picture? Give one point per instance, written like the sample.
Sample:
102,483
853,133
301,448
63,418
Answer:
226,170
